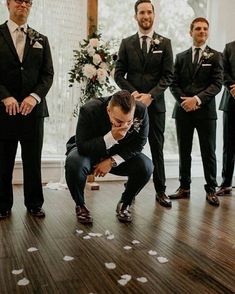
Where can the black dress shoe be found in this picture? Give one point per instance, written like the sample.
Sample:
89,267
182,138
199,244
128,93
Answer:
123,213
83,215
36,212
212,199
163,199
5,214
224,191
180,194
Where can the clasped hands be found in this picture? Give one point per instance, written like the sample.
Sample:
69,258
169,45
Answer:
13,107
143,97
232,91
189,104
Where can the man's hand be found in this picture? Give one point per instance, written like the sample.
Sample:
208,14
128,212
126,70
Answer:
145,99
232,91
11,105
119,132
135,94
102,168
189,104
27,105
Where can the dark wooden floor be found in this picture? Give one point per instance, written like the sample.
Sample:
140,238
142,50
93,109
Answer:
196,238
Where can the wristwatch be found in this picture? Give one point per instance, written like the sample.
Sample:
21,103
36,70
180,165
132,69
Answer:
113,162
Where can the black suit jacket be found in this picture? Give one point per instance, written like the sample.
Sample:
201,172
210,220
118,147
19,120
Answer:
152,76
228,102
205,82
18,79
93,124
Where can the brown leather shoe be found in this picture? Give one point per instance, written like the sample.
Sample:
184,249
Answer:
83,215
163,199
5,214
180,193
123,213
224,191
212,199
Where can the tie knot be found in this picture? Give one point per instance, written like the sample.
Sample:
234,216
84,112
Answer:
144,38
20,29
197,50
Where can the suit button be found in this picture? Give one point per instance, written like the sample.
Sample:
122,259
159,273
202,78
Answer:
21,68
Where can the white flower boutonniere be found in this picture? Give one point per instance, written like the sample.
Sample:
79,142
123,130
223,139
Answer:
34,36
155,42
137,124
206,55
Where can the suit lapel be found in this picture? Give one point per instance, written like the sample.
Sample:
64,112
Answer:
7,36
189,61
26,48
136,45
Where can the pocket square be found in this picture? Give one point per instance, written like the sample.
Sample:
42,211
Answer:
206,64
37,45
157,51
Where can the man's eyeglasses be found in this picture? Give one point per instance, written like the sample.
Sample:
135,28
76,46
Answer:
27,2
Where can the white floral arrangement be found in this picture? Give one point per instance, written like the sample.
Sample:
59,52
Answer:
93,66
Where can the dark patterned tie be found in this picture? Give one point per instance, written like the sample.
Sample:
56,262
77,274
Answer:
196,56
144,46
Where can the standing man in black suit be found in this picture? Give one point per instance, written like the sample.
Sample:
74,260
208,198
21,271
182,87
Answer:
26,74
228,106
197,79
111,133
144,68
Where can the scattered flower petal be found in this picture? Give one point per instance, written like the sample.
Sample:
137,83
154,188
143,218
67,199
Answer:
162,259
86,237
126,277
68,258
23,282
110,265
79,232
99,235
107,233
127,247
142,279
110,237
122,282
134,242
92,234
17,272
32,249
152,252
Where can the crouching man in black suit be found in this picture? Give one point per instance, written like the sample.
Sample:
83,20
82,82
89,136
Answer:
111,133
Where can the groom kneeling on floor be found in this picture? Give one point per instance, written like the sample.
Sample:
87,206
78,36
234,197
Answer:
111,132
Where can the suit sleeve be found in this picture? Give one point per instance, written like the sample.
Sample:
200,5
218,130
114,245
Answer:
216,80
175,88
46,72
121,69
228,80
166,71
86,142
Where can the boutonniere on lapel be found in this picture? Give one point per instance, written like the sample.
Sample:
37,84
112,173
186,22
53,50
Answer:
137,124
155,42
206,55
34,36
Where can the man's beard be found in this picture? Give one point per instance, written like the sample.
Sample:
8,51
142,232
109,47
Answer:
147,25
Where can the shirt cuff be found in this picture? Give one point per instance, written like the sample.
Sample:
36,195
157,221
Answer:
118,159
36,97
199,102
109,140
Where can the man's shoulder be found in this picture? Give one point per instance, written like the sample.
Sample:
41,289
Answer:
230,45
140,108
95,104
183,53
130,38
161,38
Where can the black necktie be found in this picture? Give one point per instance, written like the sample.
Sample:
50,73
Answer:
144,46
196,56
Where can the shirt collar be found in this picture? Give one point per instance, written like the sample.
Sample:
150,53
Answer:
203,47
13,26
149,35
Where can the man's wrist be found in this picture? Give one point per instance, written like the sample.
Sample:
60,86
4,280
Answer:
113,162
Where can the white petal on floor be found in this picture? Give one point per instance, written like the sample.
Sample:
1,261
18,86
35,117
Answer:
152,252
87,237
134,242
99,235
122,282
126,277
79,232
142,279
127,247
32,249
162,259
68,258
23,282
17,272
110,265
110,237
107,233
95,234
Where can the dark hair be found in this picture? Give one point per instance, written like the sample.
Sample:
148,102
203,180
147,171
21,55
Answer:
142,1
198,19
124,100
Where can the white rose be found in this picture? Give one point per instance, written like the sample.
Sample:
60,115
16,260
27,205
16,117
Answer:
89,71
103,65
101,75
90,50
94,42
97,59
